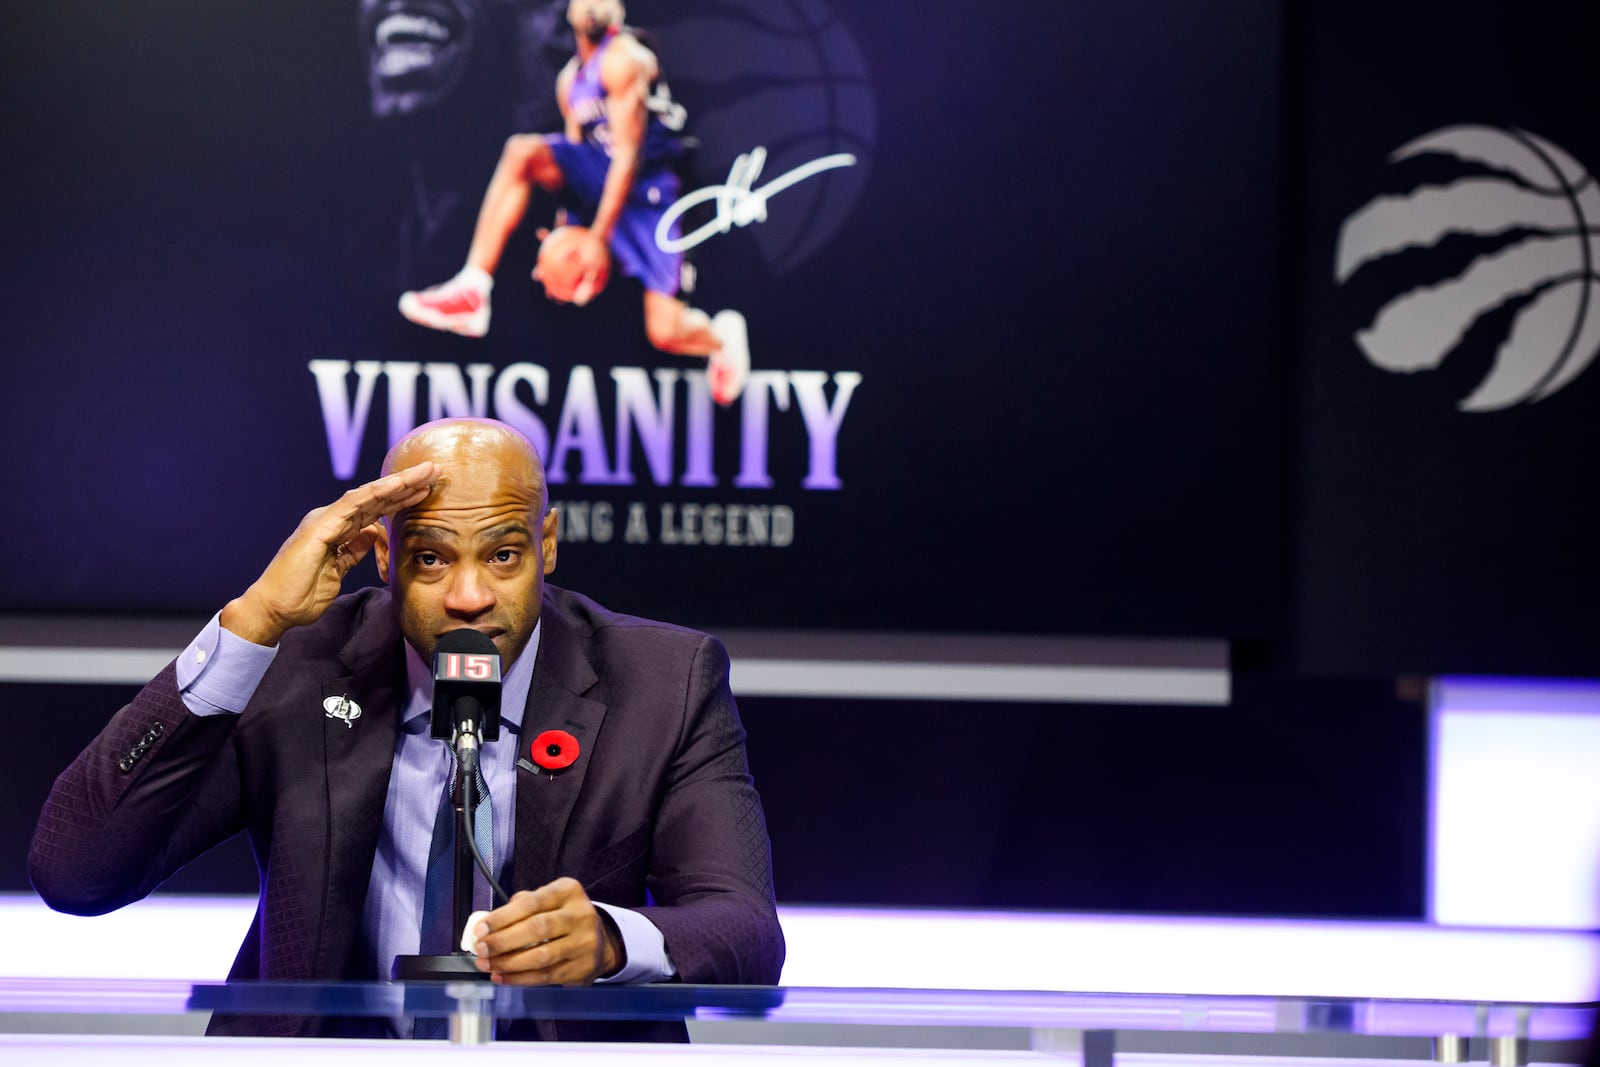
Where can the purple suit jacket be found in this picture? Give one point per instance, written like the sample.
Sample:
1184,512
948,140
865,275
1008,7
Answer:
660,800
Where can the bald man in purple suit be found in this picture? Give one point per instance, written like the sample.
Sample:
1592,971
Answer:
299,715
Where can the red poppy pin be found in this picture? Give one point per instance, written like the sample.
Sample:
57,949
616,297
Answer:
554,749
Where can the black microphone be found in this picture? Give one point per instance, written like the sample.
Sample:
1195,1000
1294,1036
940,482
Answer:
466,689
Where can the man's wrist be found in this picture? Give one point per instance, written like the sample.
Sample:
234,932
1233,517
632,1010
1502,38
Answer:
244,617
613,952
219,672
644,952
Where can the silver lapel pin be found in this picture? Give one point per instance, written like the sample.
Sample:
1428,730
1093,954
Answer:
342,708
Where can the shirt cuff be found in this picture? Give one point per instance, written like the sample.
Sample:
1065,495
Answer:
219,671
646,949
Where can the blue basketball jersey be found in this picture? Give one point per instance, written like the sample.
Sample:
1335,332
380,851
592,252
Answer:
586,103
584,166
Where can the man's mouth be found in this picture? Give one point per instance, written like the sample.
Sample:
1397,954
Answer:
493,633
410,40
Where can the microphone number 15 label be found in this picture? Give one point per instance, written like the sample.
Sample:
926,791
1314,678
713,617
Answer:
475,666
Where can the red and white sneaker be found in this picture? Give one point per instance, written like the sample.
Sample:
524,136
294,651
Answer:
460,305
729,366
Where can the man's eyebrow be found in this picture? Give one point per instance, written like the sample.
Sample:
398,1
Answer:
506,529
514,528
426,533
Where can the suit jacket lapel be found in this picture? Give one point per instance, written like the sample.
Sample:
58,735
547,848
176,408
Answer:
557,700
359,755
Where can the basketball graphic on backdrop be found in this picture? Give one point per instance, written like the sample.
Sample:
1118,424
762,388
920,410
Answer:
558,269
1504,228
783,75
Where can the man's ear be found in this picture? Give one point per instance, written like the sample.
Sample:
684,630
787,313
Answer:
547,540
380,552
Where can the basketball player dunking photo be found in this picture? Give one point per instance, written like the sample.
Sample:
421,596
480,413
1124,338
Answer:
613,167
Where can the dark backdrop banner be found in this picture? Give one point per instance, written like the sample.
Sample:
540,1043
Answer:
1448,310
1010,277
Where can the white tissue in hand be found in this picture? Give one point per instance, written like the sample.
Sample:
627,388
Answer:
469,940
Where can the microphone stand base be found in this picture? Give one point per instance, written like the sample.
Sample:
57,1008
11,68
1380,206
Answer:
456,967
471,1021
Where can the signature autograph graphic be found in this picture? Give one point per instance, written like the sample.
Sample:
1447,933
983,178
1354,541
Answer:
738,202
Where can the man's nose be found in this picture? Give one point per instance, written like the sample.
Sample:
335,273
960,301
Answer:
469,594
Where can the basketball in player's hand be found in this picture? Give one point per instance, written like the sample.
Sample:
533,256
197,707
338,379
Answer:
559,271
